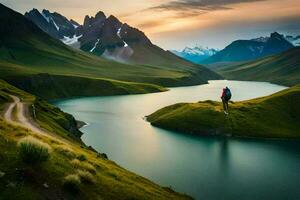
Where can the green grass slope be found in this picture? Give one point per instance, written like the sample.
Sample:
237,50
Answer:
25,50
275,116
282,69
56,86
100,177
47,116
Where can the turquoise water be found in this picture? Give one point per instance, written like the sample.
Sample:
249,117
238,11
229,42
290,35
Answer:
204,167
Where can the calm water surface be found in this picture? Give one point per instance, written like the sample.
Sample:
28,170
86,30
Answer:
204,167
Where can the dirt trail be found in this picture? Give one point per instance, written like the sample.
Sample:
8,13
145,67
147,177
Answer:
23,119
9,111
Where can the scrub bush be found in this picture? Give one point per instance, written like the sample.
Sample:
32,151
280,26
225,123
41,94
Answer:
72,182
83,165
86,177
32,150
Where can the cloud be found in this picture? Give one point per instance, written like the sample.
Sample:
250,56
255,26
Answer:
151,24
198,6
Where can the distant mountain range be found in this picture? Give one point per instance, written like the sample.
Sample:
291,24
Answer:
294,40
245,50
106,37
239,50
282,68
195,54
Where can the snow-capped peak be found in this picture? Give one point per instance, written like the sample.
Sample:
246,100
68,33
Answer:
45,16
196,53
294,40
199,50
48,18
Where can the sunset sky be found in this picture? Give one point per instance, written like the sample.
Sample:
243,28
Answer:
174,24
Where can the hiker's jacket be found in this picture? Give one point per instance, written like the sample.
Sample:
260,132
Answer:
223,93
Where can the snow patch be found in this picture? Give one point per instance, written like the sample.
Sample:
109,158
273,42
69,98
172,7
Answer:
74,25
119,35
296,42
96,43
119,32
57,28
293,40
71,41
46,18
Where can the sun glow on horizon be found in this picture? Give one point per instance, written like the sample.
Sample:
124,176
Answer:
174,23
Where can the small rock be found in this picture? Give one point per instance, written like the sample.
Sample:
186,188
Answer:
46,185
2,174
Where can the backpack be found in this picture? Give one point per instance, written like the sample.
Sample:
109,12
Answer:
227,94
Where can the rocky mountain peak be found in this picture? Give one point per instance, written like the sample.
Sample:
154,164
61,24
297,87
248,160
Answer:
195,53
46,12
87,20
100,15
98,34
276,35
34,10
113,20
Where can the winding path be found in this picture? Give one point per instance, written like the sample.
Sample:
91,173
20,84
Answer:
8,113
24,119
21,116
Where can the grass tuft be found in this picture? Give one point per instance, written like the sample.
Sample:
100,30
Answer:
86,177
72,182
32,150
66,151
83,165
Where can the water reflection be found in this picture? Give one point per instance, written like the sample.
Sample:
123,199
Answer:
224,156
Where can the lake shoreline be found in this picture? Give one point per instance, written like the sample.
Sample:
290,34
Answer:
259,118
116,126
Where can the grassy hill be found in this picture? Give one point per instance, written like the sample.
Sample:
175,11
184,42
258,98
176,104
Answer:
282,69
25,51
275,116
99,178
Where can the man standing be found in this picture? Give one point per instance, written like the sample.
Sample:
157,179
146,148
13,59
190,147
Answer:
226,96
